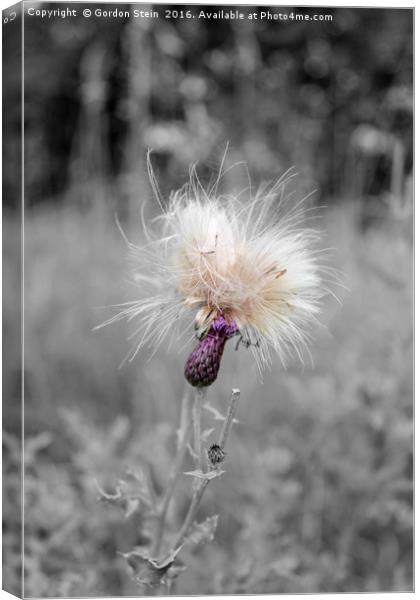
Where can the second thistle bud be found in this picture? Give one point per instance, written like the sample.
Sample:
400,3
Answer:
216,455
202,366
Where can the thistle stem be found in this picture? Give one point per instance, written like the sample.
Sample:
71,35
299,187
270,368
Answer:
203,483
192,511
227,425
197,410
183,434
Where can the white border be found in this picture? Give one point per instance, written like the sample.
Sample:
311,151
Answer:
308,3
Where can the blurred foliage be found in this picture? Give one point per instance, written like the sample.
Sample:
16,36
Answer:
99,91
318,496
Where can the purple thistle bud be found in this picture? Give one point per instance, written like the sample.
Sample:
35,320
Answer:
203,363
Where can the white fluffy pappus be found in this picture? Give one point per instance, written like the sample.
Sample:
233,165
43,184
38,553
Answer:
252,260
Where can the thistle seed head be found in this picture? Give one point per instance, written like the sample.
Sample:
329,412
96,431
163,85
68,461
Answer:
228,265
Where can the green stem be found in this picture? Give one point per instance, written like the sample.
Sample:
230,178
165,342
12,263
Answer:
227,425
203,483
192,511
197,410
183,433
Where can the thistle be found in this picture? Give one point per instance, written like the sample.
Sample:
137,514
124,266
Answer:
217,267
230,267
203,364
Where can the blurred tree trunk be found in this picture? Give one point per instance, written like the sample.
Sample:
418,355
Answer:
137,52
248,62
90,160
245,103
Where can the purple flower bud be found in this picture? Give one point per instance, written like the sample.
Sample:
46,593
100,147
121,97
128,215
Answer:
203,363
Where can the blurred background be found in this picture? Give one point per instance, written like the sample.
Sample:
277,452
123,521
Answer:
318,493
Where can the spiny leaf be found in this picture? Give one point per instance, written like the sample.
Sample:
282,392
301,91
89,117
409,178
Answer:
146,570
203,532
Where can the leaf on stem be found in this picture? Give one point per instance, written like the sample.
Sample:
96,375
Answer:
147,571
217,415
125,497
209,475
